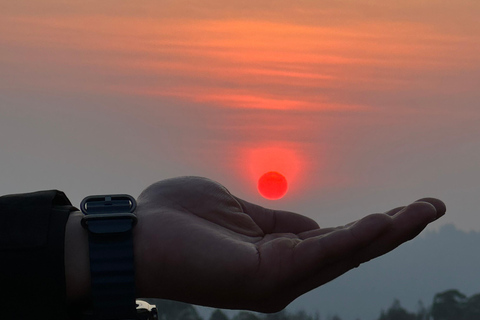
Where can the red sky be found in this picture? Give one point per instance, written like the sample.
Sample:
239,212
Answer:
363,105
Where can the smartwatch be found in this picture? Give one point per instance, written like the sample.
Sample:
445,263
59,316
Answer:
109,220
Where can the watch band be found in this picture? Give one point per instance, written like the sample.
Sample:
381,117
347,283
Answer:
109,220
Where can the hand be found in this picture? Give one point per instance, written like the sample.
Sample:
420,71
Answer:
197,243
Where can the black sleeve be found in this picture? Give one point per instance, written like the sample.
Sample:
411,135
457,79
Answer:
32,267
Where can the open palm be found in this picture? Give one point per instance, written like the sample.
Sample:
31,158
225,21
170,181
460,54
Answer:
196,242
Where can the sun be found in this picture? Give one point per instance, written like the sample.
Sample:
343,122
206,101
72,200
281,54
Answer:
272,185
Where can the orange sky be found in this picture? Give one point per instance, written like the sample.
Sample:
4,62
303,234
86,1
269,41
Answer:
345,92
227,58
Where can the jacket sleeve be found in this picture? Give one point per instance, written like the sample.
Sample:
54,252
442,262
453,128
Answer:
32,267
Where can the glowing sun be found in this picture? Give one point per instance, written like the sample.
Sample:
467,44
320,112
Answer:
272,185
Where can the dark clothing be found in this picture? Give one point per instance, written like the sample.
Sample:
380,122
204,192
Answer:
32,267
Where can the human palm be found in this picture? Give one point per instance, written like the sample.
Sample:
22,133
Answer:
197,243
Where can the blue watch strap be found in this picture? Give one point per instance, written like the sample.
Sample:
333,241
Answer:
110,221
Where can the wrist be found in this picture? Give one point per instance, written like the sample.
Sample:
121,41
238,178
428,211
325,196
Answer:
77,262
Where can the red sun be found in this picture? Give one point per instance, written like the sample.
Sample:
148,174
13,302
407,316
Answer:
272,185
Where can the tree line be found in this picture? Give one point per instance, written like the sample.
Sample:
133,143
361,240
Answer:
447,305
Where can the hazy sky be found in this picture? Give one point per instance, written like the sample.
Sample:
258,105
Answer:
362,105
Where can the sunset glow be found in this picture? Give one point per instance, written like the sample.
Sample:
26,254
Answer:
340,97
329,109
287,160
240,63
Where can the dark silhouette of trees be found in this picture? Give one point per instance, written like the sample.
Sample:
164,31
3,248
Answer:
422,312
218,315
397,312
448,305
285,315
472,308
246,315
281,315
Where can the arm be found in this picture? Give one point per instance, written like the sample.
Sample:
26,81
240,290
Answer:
195,242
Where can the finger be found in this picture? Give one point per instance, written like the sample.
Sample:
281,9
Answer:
390,212
314,253
394,211
439,205
407,223
277,221
314,233
403,226
303,263
317,232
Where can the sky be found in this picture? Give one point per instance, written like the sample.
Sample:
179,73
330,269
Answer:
362,105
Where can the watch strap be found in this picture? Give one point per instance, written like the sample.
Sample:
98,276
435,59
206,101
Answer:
110,221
